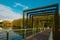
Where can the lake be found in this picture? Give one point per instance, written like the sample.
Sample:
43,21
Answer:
12,35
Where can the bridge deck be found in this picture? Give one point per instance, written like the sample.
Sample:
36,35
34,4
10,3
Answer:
40,36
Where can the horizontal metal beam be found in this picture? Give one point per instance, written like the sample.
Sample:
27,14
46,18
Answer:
41,8
42,14
42,11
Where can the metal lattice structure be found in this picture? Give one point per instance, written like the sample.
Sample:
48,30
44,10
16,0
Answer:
42,11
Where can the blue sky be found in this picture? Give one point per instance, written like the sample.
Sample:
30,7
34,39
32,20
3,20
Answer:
16,7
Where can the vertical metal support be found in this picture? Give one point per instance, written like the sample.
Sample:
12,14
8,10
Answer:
27,21
23,19
32,25
30,21
56,28
23,23
7,35
26,25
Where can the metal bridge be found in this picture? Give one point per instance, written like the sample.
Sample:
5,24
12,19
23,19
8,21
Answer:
30,14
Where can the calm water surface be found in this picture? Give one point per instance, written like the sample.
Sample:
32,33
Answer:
12,35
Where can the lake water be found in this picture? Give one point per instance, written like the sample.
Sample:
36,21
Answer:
12,36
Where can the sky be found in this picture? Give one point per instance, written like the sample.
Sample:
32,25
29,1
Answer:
13,9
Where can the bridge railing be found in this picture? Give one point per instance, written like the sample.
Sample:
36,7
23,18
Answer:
7,34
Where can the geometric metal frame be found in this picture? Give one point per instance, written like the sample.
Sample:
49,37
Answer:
47,10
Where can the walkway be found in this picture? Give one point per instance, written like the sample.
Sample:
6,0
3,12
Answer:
40,36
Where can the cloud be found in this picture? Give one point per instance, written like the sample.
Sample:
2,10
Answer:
6,13
19,4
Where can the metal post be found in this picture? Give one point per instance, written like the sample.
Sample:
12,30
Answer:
7,35
26,26
56,28
30,16
27,21
32,25
30,21
23,23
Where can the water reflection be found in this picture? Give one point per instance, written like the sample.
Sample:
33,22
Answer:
12,35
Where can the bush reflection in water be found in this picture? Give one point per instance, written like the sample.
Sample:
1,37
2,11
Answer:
12,35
